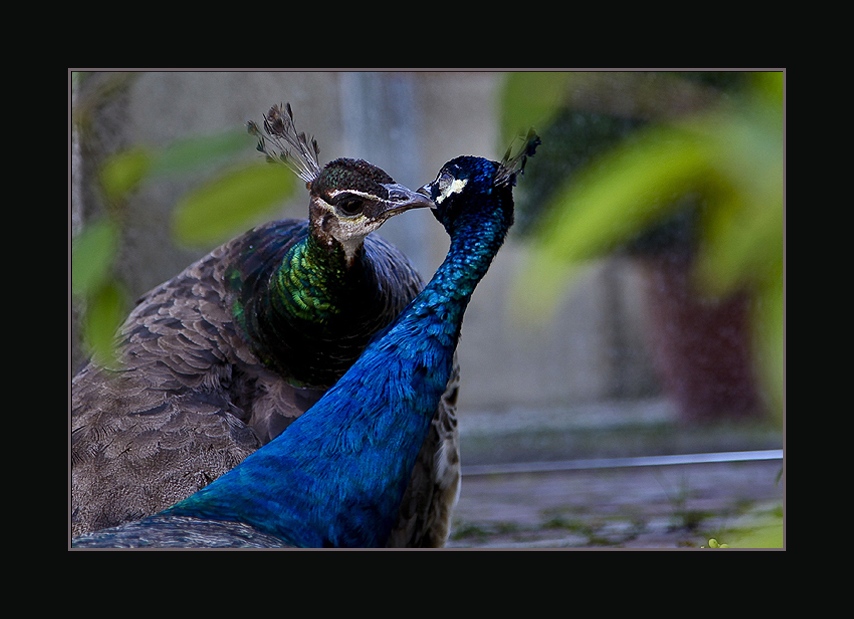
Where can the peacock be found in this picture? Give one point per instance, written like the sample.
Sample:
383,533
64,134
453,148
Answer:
336,477
223,357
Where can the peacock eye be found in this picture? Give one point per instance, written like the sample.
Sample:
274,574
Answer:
448,185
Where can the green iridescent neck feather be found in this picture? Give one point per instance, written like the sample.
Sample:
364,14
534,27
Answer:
301,309
308,286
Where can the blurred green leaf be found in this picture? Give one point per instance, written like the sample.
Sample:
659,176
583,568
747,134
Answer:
732,156
92,255
124,171
729,156
742,236
105,310
769,327
626,190
603,206
213,211
768,532
194,152
531,99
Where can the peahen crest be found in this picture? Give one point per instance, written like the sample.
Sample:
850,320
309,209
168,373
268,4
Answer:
298,151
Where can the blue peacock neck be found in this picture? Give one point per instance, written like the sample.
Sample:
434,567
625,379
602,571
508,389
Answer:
437,312
475,240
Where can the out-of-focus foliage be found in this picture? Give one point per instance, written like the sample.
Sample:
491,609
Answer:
92,253
768,534
125,170
214,211
532,99
104,310
207,214
725,149
765,530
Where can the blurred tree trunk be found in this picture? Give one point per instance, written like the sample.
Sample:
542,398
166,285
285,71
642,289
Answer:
701,346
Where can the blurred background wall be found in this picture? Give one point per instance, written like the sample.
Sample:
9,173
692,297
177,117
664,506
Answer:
594,350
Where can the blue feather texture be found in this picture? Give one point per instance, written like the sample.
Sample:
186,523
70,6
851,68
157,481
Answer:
337,476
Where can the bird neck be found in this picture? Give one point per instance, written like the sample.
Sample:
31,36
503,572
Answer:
293,301
474,243
310,282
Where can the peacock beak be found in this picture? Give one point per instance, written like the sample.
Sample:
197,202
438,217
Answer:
401,198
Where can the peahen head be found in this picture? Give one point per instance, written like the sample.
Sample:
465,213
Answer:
470,188
349,198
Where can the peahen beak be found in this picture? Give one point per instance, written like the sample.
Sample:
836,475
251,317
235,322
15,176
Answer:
426,191
401,198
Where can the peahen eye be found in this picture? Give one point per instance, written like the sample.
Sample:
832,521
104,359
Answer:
349,205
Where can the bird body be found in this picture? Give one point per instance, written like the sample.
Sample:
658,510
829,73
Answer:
335,478
220,359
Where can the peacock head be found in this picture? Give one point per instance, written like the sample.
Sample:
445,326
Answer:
349,198
470,186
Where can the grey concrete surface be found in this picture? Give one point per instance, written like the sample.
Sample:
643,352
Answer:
666,507
618,506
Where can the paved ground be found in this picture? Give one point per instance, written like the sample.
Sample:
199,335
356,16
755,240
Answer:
649,507
670,506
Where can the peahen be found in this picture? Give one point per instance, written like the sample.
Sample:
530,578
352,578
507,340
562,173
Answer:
337,476
221,358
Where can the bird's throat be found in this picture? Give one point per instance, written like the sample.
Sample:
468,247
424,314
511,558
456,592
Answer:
311,281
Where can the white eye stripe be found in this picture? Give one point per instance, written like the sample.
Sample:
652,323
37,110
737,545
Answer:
456,186
354,192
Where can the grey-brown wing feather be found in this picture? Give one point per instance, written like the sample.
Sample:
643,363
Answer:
179,532
177,413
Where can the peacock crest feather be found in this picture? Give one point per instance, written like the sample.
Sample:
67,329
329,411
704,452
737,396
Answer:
511,166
